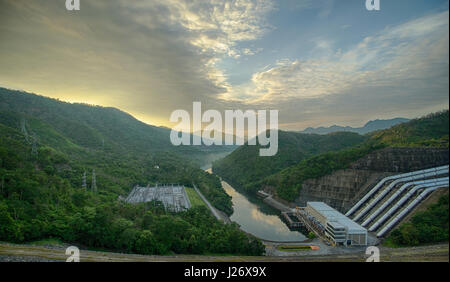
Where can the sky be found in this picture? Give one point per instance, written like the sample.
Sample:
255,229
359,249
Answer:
318,62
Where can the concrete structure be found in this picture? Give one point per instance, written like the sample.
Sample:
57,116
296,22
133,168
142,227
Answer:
292,219
173,197
396,180
342,189
393,197
338,228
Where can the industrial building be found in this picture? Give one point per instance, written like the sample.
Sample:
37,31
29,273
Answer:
173,197
338,228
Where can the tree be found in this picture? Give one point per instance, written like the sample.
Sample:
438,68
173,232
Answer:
9,229
146,243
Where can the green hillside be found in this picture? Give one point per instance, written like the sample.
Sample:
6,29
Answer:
245,166
428,131
113,142
93,127
46,146
425,227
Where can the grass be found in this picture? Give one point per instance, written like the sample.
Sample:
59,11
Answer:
194,198
388,242
47,242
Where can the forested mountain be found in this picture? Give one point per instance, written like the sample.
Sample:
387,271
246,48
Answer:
113,142
47,145
370,126
244,165
70,127
428,131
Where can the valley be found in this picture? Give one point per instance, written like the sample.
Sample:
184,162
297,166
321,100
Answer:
342,177
64,168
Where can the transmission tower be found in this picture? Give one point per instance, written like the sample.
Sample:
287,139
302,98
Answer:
23,128
94,184
84,185
34,150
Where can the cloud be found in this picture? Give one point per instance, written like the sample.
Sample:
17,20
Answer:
145,57
152,57
216,26
401,57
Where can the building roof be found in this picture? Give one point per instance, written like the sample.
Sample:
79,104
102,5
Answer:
336,225
333,215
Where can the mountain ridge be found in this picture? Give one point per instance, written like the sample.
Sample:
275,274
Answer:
84,137
428,131
370,126
97,127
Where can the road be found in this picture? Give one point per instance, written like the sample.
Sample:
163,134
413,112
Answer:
218,214
12,252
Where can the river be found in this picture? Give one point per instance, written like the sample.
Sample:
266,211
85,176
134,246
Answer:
257,218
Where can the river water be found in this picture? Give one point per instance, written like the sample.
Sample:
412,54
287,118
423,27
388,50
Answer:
257,218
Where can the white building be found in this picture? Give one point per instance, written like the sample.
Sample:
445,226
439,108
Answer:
339,228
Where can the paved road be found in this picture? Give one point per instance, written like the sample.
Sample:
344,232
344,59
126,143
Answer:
218,214
11,252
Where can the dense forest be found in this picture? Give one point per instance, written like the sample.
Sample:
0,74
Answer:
45,148
288,181
287,178
123,150
245,166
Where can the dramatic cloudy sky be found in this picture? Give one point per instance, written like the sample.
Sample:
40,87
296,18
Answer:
319,62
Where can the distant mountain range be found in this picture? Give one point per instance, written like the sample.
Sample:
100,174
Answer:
371,126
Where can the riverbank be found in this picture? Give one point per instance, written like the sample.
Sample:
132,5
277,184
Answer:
259,219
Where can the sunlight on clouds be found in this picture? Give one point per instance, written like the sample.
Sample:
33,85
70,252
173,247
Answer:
405,52
154,56
218,25
215,27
